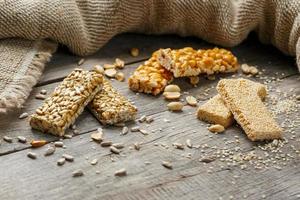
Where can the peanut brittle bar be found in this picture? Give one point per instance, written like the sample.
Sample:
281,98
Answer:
110,107
67,101
150,77
191,62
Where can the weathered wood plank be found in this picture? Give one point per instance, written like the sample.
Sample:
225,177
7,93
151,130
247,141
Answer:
147,105
189,178
250,51
42,178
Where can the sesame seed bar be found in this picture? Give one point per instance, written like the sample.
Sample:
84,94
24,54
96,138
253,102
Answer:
191,62
150,77
110,107
248,109
215,111
67,101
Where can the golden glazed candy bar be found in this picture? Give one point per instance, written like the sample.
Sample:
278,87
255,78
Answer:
150,77
110,107
248,109
67,101
214,110
191,62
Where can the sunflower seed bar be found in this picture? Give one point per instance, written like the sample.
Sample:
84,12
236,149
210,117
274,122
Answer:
248,109
191,62
150,77
215,111
67,101
110,107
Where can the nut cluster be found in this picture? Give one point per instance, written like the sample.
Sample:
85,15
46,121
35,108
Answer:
110,107
66,102
150,77
190,62
110,70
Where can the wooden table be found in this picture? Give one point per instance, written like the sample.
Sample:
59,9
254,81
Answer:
24,178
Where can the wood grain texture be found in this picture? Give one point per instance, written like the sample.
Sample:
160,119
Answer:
42,178
23,178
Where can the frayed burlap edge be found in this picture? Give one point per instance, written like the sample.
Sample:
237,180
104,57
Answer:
18,91
298,54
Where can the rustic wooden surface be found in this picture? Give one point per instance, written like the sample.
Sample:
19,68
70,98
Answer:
23,178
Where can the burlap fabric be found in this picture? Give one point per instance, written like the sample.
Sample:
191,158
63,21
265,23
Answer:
86,25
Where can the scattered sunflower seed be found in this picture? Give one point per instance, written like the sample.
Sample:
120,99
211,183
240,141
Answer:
49,151
207,159
298,97
111,73
189,143
147,162
23,115
143,131
59,144
97,137
114,150
40,96
118,145
106,144
137,146
120,76
99,69
77,173
7,139
121,172
134,52
61,161
216,128
167,165
119,63
67,136
149,119
68,157
254,71
81,61
31,155
75,132
178,145
192,101
135,129
38,143
124,130
44,92
94,162
22,139
142,119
